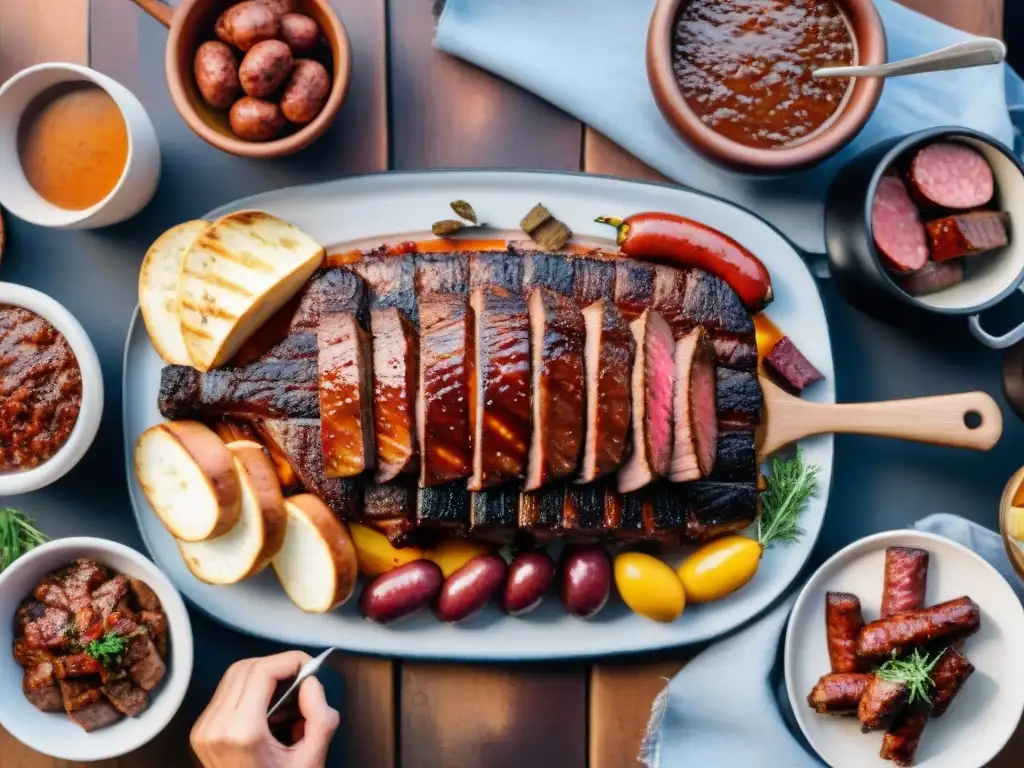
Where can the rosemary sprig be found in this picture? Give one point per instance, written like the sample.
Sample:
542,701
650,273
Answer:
18,534
790,487
914,672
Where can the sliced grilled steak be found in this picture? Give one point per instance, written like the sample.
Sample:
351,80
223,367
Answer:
92,717
126,698
145,667
731,352
739,397
494,513
593,279
736,457
634,287
299,440
500,388
390,281
330,292
557,337
553,271
440,273
670,286
609,355
442,405
496,269
40,688
395,379
443,506
694,408
712,303
106,597
718,508
391,509
651,389
345,385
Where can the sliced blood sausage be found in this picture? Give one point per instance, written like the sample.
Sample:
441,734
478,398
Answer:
951,176
936,276
789,362
967,234
896,226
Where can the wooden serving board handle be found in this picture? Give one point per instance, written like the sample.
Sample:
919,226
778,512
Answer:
941,420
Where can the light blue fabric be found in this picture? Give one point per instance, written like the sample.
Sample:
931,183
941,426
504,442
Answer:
716,713
588,58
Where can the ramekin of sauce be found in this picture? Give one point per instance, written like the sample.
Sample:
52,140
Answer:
735,77
51,390
77,149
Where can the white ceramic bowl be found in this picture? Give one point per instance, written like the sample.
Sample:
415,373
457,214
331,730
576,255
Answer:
142,168
84,431
986,712
52,733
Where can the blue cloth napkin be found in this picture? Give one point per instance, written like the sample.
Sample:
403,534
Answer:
713,713
588,58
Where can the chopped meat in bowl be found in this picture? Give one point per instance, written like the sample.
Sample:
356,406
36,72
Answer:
101,649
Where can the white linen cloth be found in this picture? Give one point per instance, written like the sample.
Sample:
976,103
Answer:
588,58
716,712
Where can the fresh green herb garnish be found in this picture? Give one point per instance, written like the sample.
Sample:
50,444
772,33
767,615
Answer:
914,672
107,649
790,487
18,534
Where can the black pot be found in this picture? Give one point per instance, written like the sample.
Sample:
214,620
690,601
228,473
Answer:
858,269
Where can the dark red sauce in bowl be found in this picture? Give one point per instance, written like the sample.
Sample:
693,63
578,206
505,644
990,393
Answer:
40,389
745,66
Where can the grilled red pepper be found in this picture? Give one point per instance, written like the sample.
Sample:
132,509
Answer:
671,239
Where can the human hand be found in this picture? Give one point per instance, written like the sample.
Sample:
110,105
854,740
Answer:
233,731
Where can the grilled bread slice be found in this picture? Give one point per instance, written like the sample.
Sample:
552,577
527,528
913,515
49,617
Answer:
317,565
189,478
258,535
158,290
238,272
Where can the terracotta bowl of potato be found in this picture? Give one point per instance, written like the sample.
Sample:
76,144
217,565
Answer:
256,78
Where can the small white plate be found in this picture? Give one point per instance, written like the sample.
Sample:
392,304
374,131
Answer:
985,714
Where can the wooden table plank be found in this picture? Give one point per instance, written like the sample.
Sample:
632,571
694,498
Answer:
447,113
492,717
34,31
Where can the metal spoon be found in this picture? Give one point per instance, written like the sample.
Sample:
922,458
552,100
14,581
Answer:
973,53
309,669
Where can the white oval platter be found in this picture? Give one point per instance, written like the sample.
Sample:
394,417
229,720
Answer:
366,208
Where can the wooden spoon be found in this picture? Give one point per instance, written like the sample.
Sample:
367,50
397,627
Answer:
1014,548
939,420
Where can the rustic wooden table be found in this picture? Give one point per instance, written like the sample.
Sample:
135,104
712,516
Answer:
401,115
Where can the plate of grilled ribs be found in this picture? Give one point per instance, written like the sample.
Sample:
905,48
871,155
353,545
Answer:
901,648
475,365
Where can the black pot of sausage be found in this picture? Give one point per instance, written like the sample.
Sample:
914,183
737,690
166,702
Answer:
922,222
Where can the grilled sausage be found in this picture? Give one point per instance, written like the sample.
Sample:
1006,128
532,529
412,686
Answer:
906,575
881,703
949,674
838,694
843,622
900,743
947,621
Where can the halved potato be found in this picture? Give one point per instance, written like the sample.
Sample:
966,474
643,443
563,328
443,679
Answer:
258,535
158,290
189,478
317,565
238,272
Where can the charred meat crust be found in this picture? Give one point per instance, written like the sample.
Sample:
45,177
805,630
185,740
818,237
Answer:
739,396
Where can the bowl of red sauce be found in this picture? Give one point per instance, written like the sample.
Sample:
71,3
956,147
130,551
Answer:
51,390
735,77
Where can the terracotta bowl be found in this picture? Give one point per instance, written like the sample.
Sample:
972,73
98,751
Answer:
869,37
191,24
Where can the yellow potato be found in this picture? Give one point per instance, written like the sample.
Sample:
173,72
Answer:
375,553
649,586
719,568
452,554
